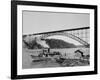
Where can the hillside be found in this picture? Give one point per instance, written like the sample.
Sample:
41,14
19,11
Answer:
56,43
52,43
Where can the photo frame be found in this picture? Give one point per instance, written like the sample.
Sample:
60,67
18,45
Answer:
53,39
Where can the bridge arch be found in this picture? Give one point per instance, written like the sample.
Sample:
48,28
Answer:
86,44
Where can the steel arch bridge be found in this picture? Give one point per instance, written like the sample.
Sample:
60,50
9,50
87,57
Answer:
79,34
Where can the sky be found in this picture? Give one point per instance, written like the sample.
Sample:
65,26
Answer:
38,22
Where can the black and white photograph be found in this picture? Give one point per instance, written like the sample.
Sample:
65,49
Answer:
62,48
53,39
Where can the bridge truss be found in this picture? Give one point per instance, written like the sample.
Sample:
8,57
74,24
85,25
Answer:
81,35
